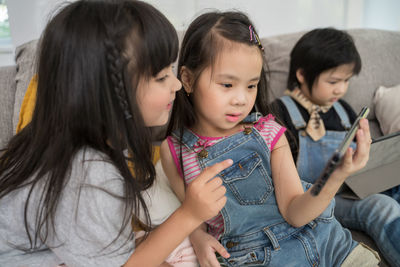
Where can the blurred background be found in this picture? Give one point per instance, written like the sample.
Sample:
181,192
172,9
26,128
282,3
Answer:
24,20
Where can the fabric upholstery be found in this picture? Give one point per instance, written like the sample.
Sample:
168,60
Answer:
25,61
28,105
387,108
7,93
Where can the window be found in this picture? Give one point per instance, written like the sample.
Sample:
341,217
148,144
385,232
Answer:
5,37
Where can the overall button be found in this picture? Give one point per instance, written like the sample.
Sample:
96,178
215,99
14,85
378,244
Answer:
231,244
203,154
247,131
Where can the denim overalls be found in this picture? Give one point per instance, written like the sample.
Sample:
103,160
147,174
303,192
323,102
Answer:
313,155
255,233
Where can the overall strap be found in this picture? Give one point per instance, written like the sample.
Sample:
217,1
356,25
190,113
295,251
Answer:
294,112
189,139
252,117
344,118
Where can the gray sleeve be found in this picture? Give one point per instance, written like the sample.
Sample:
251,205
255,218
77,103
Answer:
89,219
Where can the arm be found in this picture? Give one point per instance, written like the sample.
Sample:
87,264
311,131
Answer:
297,207
90,215
171,171
204,198
140,239
203,243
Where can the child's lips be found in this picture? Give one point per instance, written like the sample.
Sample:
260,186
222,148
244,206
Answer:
169,106
234,117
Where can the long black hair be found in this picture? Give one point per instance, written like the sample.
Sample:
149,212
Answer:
203,40
319,50
91,57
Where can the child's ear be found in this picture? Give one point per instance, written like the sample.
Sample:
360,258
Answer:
186,79
300,76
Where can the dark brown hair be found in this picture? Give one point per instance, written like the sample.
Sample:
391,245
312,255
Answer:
320,50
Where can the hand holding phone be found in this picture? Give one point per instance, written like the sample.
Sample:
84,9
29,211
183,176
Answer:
337,156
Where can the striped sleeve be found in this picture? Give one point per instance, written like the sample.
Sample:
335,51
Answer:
190,164
270,130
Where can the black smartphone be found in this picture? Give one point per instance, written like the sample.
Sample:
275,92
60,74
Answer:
337,156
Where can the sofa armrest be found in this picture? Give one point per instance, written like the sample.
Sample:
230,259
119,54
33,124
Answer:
7,92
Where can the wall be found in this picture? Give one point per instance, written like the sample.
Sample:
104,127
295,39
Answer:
28,18
271,17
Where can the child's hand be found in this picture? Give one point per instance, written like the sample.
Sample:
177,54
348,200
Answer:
205,246
205,196
352,163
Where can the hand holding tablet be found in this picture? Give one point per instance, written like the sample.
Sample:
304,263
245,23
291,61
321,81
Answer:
337,156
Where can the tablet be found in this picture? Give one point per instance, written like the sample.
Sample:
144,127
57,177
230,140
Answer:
381,172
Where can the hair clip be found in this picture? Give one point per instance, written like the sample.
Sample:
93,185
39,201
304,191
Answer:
251,33
254,38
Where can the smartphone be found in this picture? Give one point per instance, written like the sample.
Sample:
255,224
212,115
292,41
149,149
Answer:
337,156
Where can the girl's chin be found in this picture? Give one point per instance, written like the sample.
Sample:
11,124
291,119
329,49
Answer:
157,123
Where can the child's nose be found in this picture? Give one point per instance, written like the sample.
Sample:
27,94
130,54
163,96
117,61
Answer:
240,99
341,88
177,85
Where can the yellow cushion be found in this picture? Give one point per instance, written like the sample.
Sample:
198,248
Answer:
28,105
156,154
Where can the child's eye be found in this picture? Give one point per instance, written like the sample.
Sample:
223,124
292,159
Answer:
332,82
252,86
226,85
161,79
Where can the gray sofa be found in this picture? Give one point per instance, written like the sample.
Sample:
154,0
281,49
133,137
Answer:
379,50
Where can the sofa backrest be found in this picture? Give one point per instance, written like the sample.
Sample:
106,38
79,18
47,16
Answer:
379,50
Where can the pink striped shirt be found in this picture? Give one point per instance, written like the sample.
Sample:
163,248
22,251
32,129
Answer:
270,130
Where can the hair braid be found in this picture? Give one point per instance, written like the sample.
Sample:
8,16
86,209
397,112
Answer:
116,67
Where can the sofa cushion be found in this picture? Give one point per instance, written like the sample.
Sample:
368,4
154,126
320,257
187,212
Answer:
28,105
7,92
387,108
25,61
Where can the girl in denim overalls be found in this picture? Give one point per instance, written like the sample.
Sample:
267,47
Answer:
327,59
268,219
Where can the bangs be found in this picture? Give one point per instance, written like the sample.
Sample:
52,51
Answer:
160,43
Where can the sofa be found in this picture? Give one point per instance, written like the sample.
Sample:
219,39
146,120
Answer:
379,50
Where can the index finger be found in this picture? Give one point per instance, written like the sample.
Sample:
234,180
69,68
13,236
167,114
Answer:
212,171
364,125
363,137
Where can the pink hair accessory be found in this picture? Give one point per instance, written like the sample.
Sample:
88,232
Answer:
251,33
254,38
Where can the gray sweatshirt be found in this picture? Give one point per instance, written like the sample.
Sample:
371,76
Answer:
87,220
